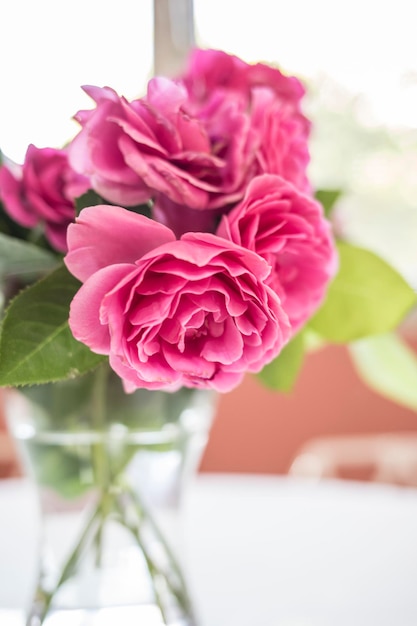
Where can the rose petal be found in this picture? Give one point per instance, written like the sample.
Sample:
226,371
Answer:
84,319
128,237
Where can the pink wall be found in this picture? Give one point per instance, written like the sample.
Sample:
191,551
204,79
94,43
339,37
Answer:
258,430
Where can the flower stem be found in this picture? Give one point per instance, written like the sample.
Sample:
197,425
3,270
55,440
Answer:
152,568
43,599
99,452
118,499
142,517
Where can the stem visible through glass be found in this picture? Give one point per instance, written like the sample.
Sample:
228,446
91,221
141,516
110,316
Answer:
43,599
135,520
99,452
118,498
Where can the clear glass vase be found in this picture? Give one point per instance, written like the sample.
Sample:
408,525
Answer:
110,469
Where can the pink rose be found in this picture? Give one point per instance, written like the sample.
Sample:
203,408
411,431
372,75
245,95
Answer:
208,70
271,100
193,312
43,191
283,146
153,147
194,143
288,229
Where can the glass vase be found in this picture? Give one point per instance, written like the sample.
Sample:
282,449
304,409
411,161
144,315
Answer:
110,469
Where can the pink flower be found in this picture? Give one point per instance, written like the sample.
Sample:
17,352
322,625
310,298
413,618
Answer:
194,143
43,191
150,147
283,134
272,101
209,70
288,229
193,312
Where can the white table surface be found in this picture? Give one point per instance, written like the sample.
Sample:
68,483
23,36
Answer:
265,551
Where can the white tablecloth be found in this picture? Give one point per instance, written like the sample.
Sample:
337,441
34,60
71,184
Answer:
265,551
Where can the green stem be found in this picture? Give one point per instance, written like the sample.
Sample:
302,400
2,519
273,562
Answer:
177,587
99,453
186,602
135,528
152,568
43,599
98,413
103,480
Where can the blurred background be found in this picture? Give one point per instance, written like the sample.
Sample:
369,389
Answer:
359,63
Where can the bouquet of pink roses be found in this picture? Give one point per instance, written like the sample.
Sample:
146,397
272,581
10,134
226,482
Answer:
178,239
178,236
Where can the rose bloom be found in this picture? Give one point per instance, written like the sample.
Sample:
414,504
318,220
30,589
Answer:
181,151
43,191
194,312
207,71
135,151
272,100
288,229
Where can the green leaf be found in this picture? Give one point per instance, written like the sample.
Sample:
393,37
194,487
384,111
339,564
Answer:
142,209
23,259
312,340
367,297
10,227
328,198
388,366
89,198
282,372
36,344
